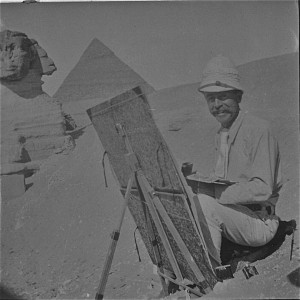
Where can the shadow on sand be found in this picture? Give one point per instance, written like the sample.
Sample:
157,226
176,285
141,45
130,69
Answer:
294,277
7,293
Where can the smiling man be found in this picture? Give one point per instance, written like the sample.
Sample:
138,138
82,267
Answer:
247,158
224,106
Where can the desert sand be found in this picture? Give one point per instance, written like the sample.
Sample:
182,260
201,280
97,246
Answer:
55,237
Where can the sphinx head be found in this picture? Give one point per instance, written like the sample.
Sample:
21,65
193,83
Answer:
19,54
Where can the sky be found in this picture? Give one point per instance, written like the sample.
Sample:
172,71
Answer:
168,43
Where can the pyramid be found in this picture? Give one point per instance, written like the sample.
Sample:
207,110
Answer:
99,74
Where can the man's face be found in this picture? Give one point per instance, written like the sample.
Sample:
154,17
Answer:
224,106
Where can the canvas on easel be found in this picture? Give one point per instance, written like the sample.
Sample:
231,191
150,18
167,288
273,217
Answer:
160,201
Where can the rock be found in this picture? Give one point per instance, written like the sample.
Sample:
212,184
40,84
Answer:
13,150
25,109
47,64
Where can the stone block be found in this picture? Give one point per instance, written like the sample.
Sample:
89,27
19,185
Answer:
26,109
44,147
12,186
36,130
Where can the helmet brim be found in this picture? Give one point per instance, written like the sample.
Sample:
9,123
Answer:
214,89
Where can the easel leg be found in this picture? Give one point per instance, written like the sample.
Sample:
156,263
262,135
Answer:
144,192
114,240
195,292
154,244
156,208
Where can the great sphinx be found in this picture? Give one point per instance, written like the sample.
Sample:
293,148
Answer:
26,110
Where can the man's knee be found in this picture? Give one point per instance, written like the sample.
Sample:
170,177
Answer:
210,210
207,203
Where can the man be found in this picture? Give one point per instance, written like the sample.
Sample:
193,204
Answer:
247,159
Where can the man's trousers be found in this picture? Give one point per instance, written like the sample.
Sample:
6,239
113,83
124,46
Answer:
237,223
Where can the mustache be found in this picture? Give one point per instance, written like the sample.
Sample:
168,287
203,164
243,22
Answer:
215,111
218,111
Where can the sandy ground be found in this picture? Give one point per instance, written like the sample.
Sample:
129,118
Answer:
55,237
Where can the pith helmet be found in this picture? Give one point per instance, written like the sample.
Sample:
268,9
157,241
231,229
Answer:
220,75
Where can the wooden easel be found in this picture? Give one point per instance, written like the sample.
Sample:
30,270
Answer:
156,211
156,193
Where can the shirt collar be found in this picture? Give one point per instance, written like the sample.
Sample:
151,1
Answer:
233,130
